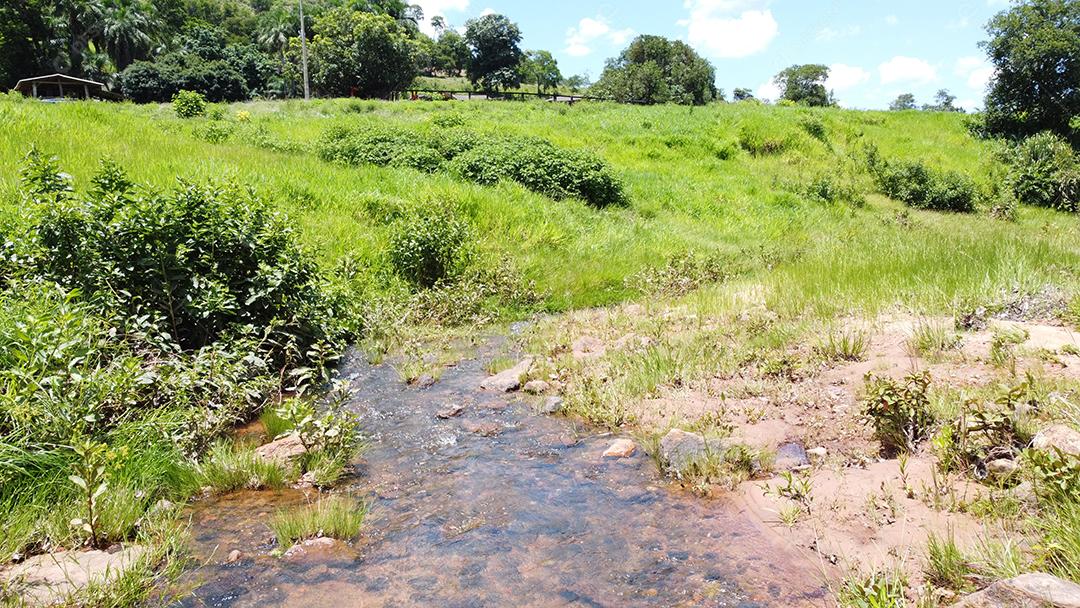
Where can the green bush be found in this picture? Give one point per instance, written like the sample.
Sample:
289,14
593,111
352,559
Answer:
1043,171
189,104
758,140
382,146
430,246
899,411
920,187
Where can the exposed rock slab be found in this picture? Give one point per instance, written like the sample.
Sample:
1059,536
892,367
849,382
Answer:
791,456
43,580
620,448
507,380
1034,590
1060,436
282,450
536,387
551,405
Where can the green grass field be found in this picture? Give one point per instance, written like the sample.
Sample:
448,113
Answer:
691,185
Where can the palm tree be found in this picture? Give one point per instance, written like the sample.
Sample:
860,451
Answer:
128,28
81,17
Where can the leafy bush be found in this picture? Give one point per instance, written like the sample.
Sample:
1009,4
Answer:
815,127
918,186
430,246
758,140
1043,171
189,104
899,411
834,188
383,146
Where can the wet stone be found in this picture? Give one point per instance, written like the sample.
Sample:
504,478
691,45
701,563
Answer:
620,448
551,405
450,410
484,429
507,380
790,456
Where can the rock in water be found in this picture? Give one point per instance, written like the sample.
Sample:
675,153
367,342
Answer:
1060,436
620,448
44,580
679,448
1034,590
234,556
507,380
282,450
450,410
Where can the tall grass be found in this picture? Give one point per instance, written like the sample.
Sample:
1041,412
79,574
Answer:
338,517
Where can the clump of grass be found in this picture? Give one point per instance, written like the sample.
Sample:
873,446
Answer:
844,345
932,340
876,590
597,402
999,559
229,467
1058,525
339,517
1004,343
274,424
946,565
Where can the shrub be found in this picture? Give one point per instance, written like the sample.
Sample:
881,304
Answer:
447,120
834,188
383,146
1043,171
758,140
918,186
815,127
430,247
189,104
899,411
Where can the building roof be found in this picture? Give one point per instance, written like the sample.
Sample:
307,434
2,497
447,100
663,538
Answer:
56,78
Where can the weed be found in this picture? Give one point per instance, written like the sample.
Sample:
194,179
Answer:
877,590
899,411
229,467
339,517
1004,343
91,477
844,345
946,565
932,340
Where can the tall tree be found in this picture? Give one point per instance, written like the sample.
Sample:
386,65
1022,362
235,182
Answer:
904,101
1035,49
452,54
541,69
364,54
654,69
805,84
81,17
493,40
128,28
26,40
943,102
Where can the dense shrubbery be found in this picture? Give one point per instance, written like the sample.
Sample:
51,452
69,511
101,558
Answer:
189,104
921,187
1043,171
430,245
140,326
534,163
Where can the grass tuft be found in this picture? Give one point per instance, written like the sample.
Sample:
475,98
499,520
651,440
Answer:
339,517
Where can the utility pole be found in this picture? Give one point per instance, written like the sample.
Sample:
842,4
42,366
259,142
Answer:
303,53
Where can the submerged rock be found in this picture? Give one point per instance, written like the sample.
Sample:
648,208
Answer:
43,580
1034,590
282,450
484,429
620,448
1059,436
507,380
449,410
234,556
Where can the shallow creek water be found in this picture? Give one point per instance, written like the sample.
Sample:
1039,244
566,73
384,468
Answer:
533,516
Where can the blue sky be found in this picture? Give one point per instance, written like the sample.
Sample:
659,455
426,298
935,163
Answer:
876,49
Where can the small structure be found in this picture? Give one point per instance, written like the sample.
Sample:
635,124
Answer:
62,86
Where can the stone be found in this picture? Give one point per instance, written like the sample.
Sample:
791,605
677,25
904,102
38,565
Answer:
536,387
1060,436
790,456
817,455
425,381
587,347
282,450
43,580
679,448
450,410
234,556
507,380
1033,590
551,405
484,429
1001,468
620,448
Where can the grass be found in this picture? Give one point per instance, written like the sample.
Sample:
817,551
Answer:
229,467
932,339
274,424
339,517
844,345
876,590
946,565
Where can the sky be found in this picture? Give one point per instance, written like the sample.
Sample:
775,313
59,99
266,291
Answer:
875,49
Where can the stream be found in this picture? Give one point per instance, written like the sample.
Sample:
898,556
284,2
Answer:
533,516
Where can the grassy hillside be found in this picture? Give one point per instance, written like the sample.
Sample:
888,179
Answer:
692,183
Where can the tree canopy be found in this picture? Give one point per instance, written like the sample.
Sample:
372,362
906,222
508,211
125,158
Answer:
805,84
494,40
1035,49
654,69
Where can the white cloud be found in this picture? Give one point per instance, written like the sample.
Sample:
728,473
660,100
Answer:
892,19
729,28
976,72
588,30
768,91
434,8
843,77
906,69
487,11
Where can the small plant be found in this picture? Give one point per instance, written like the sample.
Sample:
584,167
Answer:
189,104
797,487
790,515
878,590
91,478
844,345
1057,474
229,467
946,565
430,247
1004,343
331,439
243,116
339,517
899,411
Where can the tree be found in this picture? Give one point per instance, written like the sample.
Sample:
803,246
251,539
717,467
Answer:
654,69
1035,48
493,40
128,28
541,69
26,40
904,101
451,53
577,82
742,94
358,53
80,17
943,102
805,84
